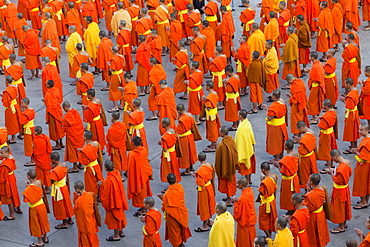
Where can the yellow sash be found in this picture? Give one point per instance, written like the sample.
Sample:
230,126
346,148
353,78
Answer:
118,72
330,75
337,186
228,7
5,144
78,74
169,4
200,188
96,118
276,121
166,153
126,45
35,9
19,81
59,14
182,12
6,62
36,204
55,189
198,23
307,155
145,233
239,68
53,63
232,96
195,89
327,131
163,22
12,104
361,160
315,84
320,209
350,110
10,173
211,17
286,24
326,32
146,33
187,133
91,165
135,18
219,75
246,25
291,180
3,7
27,127
211,114
183,66
352,60
267,201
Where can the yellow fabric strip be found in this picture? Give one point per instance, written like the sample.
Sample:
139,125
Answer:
36,204
291,180
315,84
267,201
361,160
6,62
246,25
350,110
307,155
166,153
181,13
326,32
228,7
169,4
211,114
195,89
219,75
117,72
19,81
53,63
330,75
35,9
276,121
135,18
12,104
163,22
96,118
5,144
211,17
327,131
233,96
187,133
146,33
55,189
27,127
318,210
337,186
183,66
286,23
91,165
200,188
59,14
10,173
126,45
239,66
353,60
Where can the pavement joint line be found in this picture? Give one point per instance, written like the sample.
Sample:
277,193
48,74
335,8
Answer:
15,242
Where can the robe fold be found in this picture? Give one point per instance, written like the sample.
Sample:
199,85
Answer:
206,203
307,158
267,212
116,145
289,181
74,131
327,137
41,156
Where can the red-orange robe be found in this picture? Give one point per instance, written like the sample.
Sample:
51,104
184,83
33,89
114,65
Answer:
109,7
104,56
10,15
327,137
52,103
151,234
232,104
8,183
289,181
196,92
50,72
59,17
88,9
361,174
19,33
184,129
12,111
225,32
307,159
50,32
125,48
326,31
247,19
135,121
130,93
161,17
41,156
74,131
266,8
284,19
194,20
34,10
174,37
337,14
341,197
27,121
350,64
350,9
113,199
298,105
365,99
78,59
206,194
267,212
217,68
116,77
73,18
197,47
271,31
139,176
352,119
182,15
85,83
169,162
95,123
38,217
242,63
134,11
316,85
213,123
166,104
60,196
211,12
143,69
182,71
313,11
16,72
276,135
156,74
144,25
331,81
156,48
32,49
366,242
298,225
210,44
116,145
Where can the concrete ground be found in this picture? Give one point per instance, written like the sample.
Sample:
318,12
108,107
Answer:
16,234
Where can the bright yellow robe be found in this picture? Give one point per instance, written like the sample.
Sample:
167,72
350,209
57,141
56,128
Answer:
244,140
92,40
284,238
222,232
71,50
271,62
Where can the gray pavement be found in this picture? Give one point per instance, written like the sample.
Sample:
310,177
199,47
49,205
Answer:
15,233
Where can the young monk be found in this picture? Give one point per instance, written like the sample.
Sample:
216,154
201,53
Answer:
326,29
350,60
225,31
245,215
124,46
41,156
331,80
60,196
114,201
365,240
241,58
181,60
27,121
271,67
116,78
304,42
38,217
232,104
217,67
197,47
8,189
15,70
32,50
314,200
174,206
284,21
256,74
210,44
156,74
104,55
284,237
50,72
135,122
152,221
196,92
365,94
204,178
223,227
87,216
130,93
340,197
166,104
299,220
267,212
290,55
143,69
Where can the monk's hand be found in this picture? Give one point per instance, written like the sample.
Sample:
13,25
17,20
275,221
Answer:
186,82
354,151
259,5
341,98
203,97
193,174
42,100
359,232
83,107
262,57
306,70
288,95
128,112
308,187
262,177
265,107
99,183
142,218
159,142
361,82
160,196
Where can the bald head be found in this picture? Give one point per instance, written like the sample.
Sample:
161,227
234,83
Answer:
351,243
265,166
55,156
297,198
282,222
202,156
31,173
149,201
290,77
108,164
79,185
136,102
221,207
315,178
166,122
243,181
224,130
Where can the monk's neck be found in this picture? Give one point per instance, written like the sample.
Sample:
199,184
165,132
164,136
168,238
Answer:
290,152
88,142
316,186
298,206
32,181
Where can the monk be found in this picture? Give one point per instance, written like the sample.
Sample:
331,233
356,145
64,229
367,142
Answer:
41,156
307,154
32,50
15,70
116,78
365,95
331,81
152,221
211,13
49,31
316,84
288,167
256,42
222,232
210,45
156,74
232,105
92,41
212,119
52,103
337,14
88,156
155,43
74,131
241,58
34,14
195,91
284,236
60,196
72,41
340,197
116,143
134,11
10,17
51,52
175,35
139,184
104,55
88,9
8,186
144,24
85,82
124,45
50,72
284,21
271,32
315,199
217,67
19,33
73,18
194,19
271,67
225,32
186,130
326,29
364,239
267,213
197,47
247,18
114,201
12,112
351,13
291,54
161,17
266,7
226,162
328,125
166,104
121,14
87,216
135,122
204,178
5,50
245,215
129,94
350,64
93,114
304,42
276,126
181,60
38,218
256,81
298,104
351,118
109,7
298,222
143,69
27,121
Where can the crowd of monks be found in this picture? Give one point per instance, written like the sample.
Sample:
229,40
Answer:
198,40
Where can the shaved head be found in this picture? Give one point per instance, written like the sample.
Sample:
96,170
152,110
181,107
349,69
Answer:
315,178
297,197
221,206
149,201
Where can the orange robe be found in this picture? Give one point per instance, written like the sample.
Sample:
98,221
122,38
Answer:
74,131
125,48
211,12
16,72
276,133
298,225
19,34
226,160
8,183
116,145
73,18
194,20
289,181
11,110
327,137
197,47
85,210
247,19
307,158
298,105
50,32
88,156
245,216
313,11
53,53
139,176
351,120
266,8
161,17
316,84
177,218
337,14
196,92
255,80
361,174
350,9
225,32
75,72
151,234
365,99
284,20
114,201
217,68
134,11
326,31
32,49
291,57
366,242
143,69
174,37
22,8
95,123
136,119
104,55
186,141
156,48
156,74
304,43
52,103
116,77
267,212
27,121
182,71
38,217
129,94
144,25
41,156
60,197
169,162
182,15
271,31
10,15
331,81
350,64
341,197
85,83
166,103
210,44
109,7
50,72
206,193
88,9
232,105
59,17
213,123
34,10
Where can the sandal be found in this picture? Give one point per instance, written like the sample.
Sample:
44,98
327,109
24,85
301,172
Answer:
104,89
60,227
200,230
18,211
182,97
337,231
36,245
286,87
357,207
6,218
29,164
112,239
45,239
185,174
323,171
73,171
208,150
151,118
111,110
252,112
347,152
232,129
137,214
313,122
